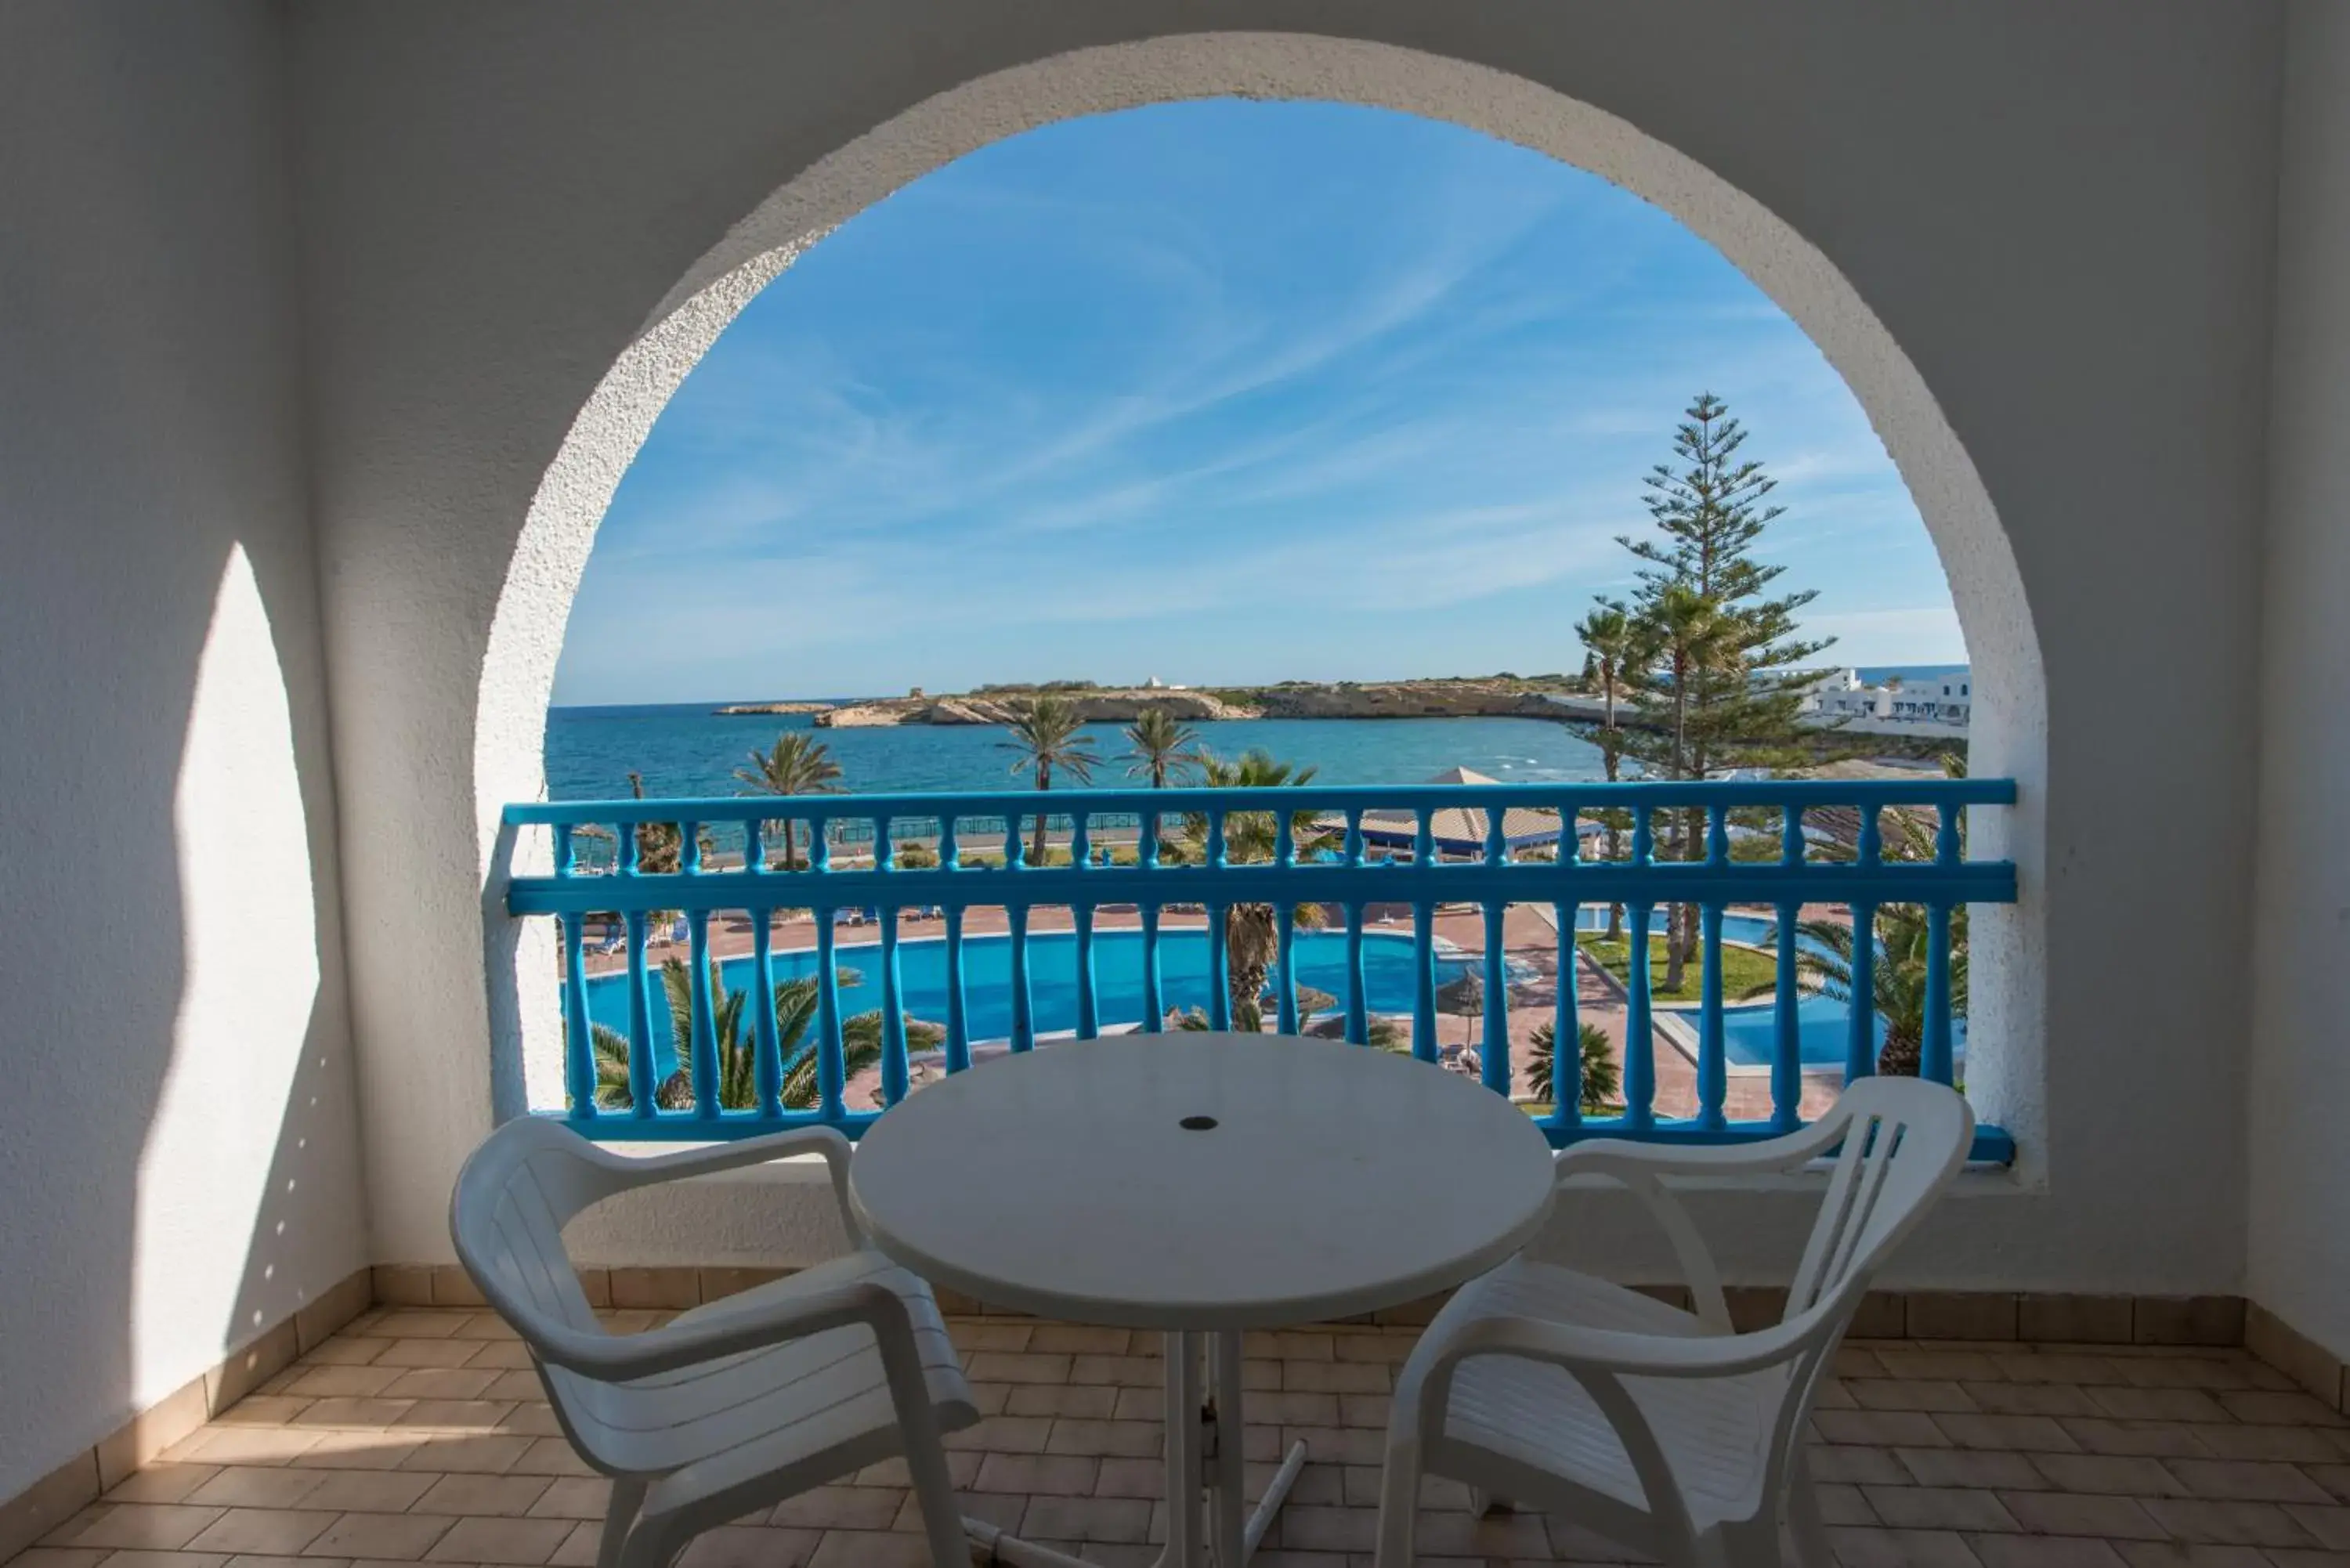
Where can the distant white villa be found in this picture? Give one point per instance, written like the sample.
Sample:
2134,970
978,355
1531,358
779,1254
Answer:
1155,684
1937,699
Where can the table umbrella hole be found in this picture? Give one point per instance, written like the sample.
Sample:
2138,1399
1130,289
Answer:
1197,1124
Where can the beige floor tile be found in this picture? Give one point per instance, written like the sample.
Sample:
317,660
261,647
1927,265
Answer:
870,1549
2226,1523
437,1382
334,1379
2083,1513
2112,1474
528,1541
355,1451
2248,1480
366,1491
1095,1403
136,1558
1056,1475
494,1497
162,1481
1086,1518
2044,1551
133,1526
750,1546
1966,1468
392,1537
839,1508
268,1531
576,1497
470,1453
255,1486
1867,1547
414,1353
1938,1507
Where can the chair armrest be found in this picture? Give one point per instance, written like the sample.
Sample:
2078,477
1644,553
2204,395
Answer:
621,1358
1607,1157
1578,1349
825,1141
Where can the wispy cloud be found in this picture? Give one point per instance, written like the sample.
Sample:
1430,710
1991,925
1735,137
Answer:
1202,387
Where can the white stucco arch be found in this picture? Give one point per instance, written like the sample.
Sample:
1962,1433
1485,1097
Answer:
2010,730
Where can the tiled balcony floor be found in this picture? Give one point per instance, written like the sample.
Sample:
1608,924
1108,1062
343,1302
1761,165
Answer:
420,1435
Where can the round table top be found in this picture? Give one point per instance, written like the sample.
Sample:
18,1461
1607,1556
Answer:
1202,1182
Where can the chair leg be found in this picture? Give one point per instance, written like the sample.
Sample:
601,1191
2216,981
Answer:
628,1496
1398,1507
656,1542
1485,1504
934,1494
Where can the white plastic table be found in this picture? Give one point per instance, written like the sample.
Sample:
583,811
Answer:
1200,1185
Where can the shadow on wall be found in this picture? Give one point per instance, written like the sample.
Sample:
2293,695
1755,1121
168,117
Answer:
177,1147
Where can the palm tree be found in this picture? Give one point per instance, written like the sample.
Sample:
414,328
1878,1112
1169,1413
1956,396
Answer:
1049,733
1161,744
1613,638
1251,935
795,1003
800,765
1600,1078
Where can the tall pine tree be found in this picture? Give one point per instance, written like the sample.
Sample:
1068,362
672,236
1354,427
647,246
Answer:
1719,689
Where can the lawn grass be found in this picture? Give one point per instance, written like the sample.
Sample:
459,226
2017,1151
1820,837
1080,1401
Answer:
1743,971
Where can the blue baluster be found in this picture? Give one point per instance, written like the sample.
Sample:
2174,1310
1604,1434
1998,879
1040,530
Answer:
705,1023
831,1057
1639,1032
769,1069
885,851
1024,1001
1786,1026
893,1010
1089,1004
1284,846
1354,850
1146,847
1791,836
1493,1056
642,1083
1285,986
1358,1008
579,1037
754,847
1713,1057
1935,1052
1220,967
1717,836
1860,1047
1015,853
1423,996
1081,841
1566,1026
950,851
1423,839
1644,838
564,849
1216,838
1154,995
958,1017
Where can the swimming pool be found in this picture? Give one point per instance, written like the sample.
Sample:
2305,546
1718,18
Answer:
1750,1032
1321,958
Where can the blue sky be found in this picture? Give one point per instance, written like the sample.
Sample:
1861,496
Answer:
1219,391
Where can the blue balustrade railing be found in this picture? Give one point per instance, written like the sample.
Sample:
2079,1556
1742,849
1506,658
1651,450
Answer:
689,1053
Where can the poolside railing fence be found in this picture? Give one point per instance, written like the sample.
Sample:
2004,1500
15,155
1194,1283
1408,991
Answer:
1784,846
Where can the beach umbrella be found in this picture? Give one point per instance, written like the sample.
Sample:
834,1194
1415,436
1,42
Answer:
1463,996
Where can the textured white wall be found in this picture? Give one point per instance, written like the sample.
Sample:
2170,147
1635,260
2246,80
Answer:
178,1160
2071,240
2300,1044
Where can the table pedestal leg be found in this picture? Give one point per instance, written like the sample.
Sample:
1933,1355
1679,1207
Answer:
1229,1533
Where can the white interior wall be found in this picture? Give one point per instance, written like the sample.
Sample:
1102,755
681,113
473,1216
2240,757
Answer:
2063,215
2300,1219
178,1159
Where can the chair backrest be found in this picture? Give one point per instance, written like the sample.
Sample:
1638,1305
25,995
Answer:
1903,1141
506,1216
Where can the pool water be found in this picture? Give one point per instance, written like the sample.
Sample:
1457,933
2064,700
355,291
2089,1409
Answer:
1320,956
1750,1032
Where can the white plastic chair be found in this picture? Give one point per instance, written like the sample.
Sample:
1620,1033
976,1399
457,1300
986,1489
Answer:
1660,1429
734,1405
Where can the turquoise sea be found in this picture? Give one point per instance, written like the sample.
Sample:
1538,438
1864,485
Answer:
685,749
